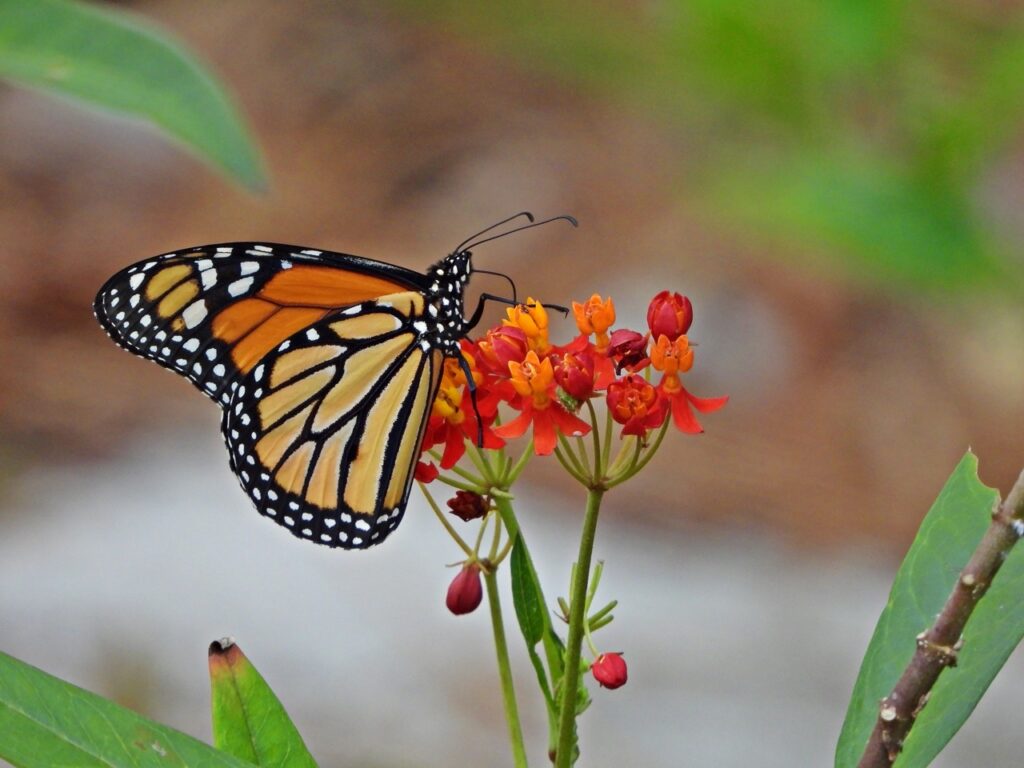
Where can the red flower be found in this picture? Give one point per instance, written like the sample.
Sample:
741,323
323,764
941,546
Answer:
467,505
426,471
636,404
574,373
465,592
669,314
609,669
629,350
534,383
501,345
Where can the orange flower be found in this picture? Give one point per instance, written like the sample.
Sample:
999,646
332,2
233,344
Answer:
533,378
595,316
672,358
534,382
532,319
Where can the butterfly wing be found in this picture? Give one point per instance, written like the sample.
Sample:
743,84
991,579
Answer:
212,312
325,431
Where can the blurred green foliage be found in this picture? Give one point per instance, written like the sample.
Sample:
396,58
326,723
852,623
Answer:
861,129
110,59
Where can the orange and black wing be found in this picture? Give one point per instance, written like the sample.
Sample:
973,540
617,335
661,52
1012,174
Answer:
325,431
213,312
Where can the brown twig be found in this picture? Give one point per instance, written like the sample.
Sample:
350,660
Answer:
938,647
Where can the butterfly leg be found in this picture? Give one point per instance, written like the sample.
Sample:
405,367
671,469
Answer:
471,383
484,297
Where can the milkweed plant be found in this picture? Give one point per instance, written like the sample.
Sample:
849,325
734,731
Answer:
601,405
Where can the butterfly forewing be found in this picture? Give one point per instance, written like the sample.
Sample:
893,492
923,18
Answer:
326,366
211,313
324,433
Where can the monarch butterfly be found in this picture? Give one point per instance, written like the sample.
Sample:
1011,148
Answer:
325,365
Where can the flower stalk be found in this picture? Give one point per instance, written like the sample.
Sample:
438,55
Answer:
508,693
574,642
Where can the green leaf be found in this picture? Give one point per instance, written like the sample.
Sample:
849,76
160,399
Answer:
108,59
46,722
526,595
249,721
994,630
944,543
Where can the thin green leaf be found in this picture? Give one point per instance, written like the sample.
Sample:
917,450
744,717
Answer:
944,543
109,59
249,721
526,595
46,722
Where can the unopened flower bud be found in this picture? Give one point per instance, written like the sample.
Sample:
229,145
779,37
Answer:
574,373
465,592
669,314
609,670
468,505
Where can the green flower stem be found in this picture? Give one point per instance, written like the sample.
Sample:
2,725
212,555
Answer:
570,464
467,476
515,730
480,462
513,473
480,533
595,431
607,437
444,521
635,466
577,609
460,485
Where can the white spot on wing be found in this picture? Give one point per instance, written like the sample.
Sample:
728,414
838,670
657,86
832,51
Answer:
136,280
239,287
194,313
249,267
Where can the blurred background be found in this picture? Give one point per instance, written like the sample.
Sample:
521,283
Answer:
837,186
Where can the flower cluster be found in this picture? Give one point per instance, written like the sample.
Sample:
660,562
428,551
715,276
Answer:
637,373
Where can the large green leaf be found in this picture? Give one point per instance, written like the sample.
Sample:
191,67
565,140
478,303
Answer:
46,722
110,60
947,537
249,721
995,629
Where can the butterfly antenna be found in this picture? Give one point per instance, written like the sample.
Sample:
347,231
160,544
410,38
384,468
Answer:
515,300
475,243
459,247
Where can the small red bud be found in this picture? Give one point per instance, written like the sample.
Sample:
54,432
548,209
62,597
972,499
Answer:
574,373
468,505
609,670
669,314
465,592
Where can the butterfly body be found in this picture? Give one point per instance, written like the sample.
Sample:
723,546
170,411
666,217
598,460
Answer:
325,365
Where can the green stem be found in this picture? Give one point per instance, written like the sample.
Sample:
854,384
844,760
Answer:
468,476
577,608
515,731
444,521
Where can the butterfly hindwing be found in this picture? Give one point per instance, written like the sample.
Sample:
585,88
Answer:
324,432
211,313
